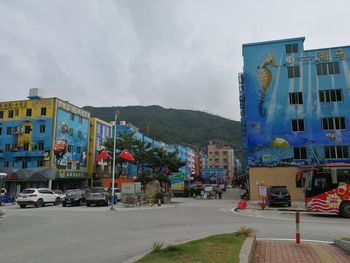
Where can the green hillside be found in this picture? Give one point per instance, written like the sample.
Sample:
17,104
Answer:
172,126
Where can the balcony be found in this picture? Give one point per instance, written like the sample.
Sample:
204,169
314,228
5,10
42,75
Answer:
28,154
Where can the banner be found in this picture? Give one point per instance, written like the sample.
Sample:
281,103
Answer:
177,181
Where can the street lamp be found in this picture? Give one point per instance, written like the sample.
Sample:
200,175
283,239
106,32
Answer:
113,169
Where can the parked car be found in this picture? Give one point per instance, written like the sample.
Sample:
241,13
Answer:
278,195
75,197
97,196
38,197
60,193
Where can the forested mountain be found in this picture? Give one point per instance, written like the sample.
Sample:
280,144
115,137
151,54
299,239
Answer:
173,126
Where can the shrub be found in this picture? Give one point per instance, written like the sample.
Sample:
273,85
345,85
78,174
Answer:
157,246
245,231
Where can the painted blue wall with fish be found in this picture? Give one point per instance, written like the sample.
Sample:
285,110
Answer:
296,103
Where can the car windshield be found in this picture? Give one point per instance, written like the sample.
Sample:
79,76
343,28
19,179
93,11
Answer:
279,190
71,193
58,191
97,190
28,191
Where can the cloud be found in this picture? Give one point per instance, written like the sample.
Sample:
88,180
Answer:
179,54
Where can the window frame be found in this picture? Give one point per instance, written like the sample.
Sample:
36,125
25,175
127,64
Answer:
333,123
298,126
293,72
327,68
296,98
332,151
301,152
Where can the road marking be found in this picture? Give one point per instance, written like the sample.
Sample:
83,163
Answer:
291,239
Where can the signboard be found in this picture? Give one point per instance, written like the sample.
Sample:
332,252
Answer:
262,191
177,181
128,188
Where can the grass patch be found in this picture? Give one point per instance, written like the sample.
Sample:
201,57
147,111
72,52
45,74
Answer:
346,238
219,248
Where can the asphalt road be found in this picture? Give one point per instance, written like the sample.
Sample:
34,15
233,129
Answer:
95,234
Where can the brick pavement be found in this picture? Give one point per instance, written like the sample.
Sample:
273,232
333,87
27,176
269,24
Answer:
289,252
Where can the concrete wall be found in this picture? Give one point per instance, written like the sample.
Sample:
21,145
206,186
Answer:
275,176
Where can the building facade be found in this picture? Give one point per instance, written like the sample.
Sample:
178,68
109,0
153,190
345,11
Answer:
100,132
43,143
294,110
221,157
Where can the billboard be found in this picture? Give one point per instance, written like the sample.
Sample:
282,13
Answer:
177,181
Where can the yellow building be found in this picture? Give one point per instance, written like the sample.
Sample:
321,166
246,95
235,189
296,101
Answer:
100,132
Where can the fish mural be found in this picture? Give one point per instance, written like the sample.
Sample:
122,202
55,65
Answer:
265,78
279,143
332,136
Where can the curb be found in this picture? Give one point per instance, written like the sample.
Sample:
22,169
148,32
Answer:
342,244
247,251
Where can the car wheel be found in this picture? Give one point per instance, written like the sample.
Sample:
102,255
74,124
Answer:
64,205
345,210
39,203
80,202
57,201
88,204
22,206
106,202
2,203
289,204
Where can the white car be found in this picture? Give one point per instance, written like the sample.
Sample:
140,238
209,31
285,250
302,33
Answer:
38,197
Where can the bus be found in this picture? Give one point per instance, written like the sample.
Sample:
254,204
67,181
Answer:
327,189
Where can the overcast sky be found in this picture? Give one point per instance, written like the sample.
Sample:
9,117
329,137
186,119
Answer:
182,54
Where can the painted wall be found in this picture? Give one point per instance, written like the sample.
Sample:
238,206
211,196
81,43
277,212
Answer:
71,132
275,176
269,114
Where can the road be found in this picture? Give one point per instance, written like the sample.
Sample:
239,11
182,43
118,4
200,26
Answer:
95,234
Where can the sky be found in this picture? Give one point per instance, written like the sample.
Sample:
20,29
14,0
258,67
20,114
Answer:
183,54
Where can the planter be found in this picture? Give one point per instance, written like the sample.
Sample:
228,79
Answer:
342,244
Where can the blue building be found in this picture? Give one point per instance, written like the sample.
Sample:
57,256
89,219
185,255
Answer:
294,109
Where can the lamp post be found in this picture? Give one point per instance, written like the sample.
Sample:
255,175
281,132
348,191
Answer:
113,169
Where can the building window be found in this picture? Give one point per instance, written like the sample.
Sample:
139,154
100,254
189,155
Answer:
298,125
69,148
9,130
78,150
7,147
293,72
27,129
333,123
291,48
1,114
14,147
7,164
26,146
72,116
79,134
41,146
80,119
77,166
330,95
71,131
69,165
329,68
10,113
43,112
300,153
0,130
40,163
42,128
336,152
295,98
24,164
16,112
29,113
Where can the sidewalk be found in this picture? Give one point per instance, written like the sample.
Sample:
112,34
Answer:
289,252
296,206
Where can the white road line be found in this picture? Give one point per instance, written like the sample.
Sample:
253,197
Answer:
290,239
